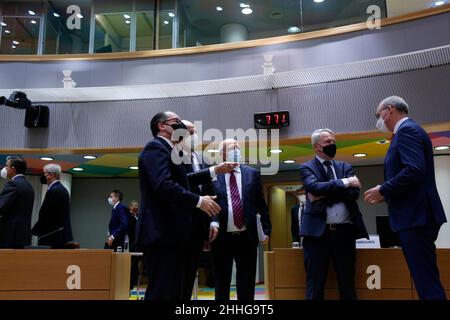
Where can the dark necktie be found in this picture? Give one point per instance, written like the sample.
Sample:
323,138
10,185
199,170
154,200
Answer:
238,211
330,173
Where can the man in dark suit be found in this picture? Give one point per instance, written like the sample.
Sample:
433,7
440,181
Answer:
415,209
331,220
165,215
296,213
16,205
241,198
120,218
133,207
53,227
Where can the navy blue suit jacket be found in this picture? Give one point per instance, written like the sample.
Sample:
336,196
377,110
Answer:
54,214
118,225
16,207
316,182
165,213
295,223
410,185
252,200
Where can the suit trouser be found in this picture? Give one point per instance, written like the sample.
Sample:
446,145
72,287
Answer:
339,246
420,253
164,267
192,258
243,251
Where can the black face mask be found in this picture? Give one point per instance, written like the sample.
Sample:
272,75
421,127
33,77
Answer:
43,179
330,150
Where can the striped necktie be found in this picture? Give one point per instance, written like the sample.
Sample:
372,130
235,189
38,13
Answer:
238,211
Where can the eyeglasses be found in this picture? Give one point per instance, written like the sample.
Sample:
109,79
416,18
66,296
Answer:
378,114
178,121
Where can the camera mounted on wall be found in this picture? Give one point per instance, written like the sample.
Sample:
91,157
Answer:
35,116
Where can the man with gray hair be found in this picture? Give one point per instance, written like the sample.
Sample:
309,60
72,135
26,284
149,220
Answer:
331,220
53,227
415,209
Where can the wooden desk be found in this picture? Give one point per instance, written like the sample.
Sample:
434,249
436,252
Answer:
64,274
285,274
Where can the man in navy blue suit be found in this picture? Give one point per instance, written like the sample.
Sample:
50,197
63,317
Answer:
331,221
118,224
165,215
296,213
239,194
415,209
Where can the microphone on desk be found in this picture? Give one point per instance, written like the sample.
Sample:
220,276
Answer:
50,233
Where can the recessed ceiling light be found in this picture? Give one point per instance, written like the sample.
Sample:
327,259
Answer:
289,161
360,155
31,12
244,5
89,157
15,42
212,151
7,31
439,3
219,8
166,22
127,16
4,24
293,29
47,158
440,148
56,15
78,169
384,141
171,14
276,151
247,11
127,21
79,16
13,47
33,21
318,1
134,168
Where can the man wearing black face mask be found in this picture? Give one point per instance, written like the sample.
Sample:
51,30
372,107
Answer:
53,226
331,220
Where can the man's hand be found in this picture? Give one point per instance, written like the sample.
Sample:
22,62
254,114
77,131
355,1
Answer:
354,182
373,195
110,241
313,198
209,206
225,167
266,240
213,232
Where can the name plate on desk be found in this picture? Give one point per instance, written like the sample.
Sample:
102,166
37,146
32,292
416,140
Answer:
372,243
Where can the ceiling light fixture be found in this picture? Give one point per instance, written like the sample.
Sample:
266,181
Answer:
127,16
33,21
360,155
56,15
13,47
247,11
47,158
166,22
79,16
31,12
134,168
89,157
276,151
127,21
440,148
244,5
15,42
171,14
212,151
439,3
4,24
7,31
289,161
78,169
318,1
293,29
219,8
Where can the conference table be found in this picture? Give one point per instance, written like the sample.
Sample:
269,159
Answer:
381,274
53,274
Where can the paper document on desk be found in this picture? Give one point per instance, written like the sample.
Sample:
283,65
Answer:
261,235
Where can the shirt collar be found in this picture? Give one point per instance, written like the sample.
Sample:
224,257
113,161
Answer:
320,159
167,140
52,184
116,204
399,123
16,176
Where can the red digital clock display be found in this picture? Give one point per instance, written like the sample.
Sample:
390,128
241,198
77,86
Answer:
271,120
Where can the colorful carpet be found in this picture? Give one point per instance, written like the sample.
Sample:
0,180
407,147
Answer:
205,293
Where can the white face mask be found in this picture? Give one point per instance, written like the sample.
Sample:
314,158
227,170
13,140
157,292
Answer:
4,173
381,125
110,201
301,198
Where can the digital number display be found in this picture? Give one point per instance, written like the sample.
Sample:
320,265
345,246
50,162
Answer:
271,120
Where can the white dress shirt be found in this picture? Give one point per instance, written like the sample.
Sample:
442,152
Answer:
338,213
399,123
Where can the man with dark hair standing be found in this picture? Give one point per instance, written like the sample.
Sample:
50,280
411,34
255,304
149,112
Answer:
415,209
118,225
16,205
166,205
53,227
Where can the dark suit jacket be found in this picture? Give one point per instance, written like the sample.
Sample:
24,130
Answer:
295,230
316,182
166,205
54,214
252,200
118,225
410,189
16,207
132,232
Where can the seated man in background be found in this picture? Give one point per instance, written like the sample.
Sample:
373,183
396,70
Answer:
53,227
120,218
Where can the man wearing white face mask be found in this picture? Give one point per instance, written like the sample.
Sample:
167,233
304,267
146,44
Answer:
118,224
415,209
296,213
16,205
